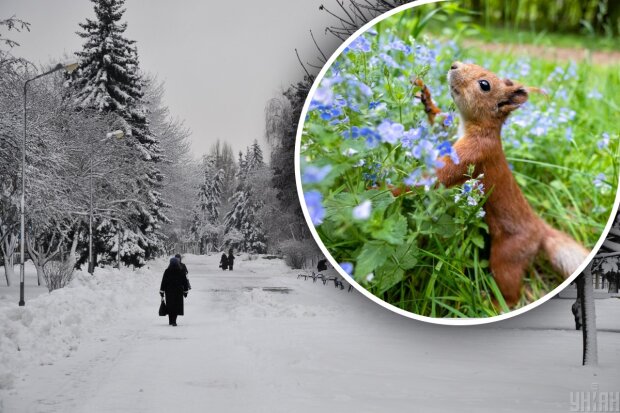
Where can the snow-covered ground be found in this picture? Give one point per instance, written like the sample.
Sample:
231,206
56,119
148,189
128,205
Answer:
260,340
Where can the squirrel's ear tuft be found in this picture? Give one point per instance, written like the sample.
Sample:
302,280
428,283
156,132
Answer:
519,96
515,96
538,90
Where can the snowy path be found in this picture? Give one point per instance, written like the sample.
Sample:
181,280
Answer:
260,340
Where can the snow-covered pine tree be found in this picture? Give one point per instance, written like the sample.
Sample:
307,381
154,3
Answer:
242,171
242,216
205,226
108,79
235,216
254,158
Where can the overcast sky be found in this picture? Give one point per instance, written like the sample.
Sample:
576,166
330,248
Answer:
221,61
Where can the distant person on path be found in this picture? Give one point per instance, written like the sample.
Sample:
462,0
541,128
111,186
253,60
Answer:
224,262
184,268
174,285
231,259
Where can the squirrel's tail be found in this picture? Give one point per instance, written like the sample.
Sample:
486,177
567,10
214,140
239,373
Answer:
565,254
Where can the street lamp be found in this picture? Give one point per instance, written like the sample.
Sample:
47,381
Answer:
69,68
118,134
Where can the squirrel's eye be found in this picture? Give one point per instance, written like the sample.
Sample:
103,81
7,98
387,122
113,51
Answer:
484,85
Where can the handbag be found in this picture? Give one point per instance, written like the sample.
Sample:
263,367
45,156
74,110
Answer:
162,308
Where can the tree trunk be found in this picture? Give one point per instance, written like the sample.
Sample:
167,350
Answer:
8,253
613,283
40,274
39,258
72,253
576,307
9,269
588,318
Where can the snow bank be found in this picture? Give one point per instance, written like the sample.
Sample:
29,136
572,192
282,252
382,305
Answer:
52,325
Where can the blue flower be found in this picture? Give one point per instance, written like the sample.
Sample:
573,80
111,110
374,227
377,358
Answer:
347,267
361,44
363,210
418,178
314,204
352,133
377,105
323,96
398,45
595,94
449,120
412,136
424,55
386,59
372,139
390,131
599,181
315,174
604,142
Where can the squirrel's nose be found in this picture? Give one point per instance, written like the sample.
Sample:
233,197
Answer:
455,65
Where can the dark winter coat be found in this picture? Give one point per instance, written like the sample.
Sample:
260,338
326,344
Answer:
224,262
174,284
185,271
231,260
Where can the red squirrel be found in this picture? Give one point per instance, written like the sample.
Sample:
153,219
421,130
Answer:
484,102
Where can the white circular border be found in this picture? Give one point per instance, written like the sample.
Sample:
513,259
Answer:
358,287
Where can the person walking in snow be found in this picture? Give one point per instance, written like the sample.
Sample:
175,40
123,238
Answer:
231,259
224,262
174,285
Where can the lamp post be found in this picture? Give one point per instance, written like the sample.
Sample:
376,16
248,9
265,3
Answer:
68,68
118,134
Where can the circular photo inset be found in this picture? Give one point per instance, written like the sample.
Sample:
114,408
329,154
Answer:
454,178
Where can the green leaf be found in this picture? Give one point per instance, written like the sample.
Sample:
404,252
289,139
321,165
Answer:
372,255
388,276
444,226
341,200
392,230
478,240
405,255
393,271
380,199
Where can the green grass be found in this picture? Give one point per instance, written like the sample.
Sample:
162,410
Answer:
504,35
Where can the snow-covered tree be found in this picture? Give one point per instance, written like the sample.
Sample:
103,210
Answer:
108,80
254,157
243,216
206,226
225,159
182,173
11,123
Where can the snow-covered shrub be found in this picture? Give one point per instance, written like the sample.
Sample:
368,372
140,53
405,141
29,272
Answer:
57,274
297,253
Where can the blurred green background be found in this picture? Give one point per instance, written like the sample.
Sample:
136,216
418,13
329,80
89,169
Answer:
592,24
